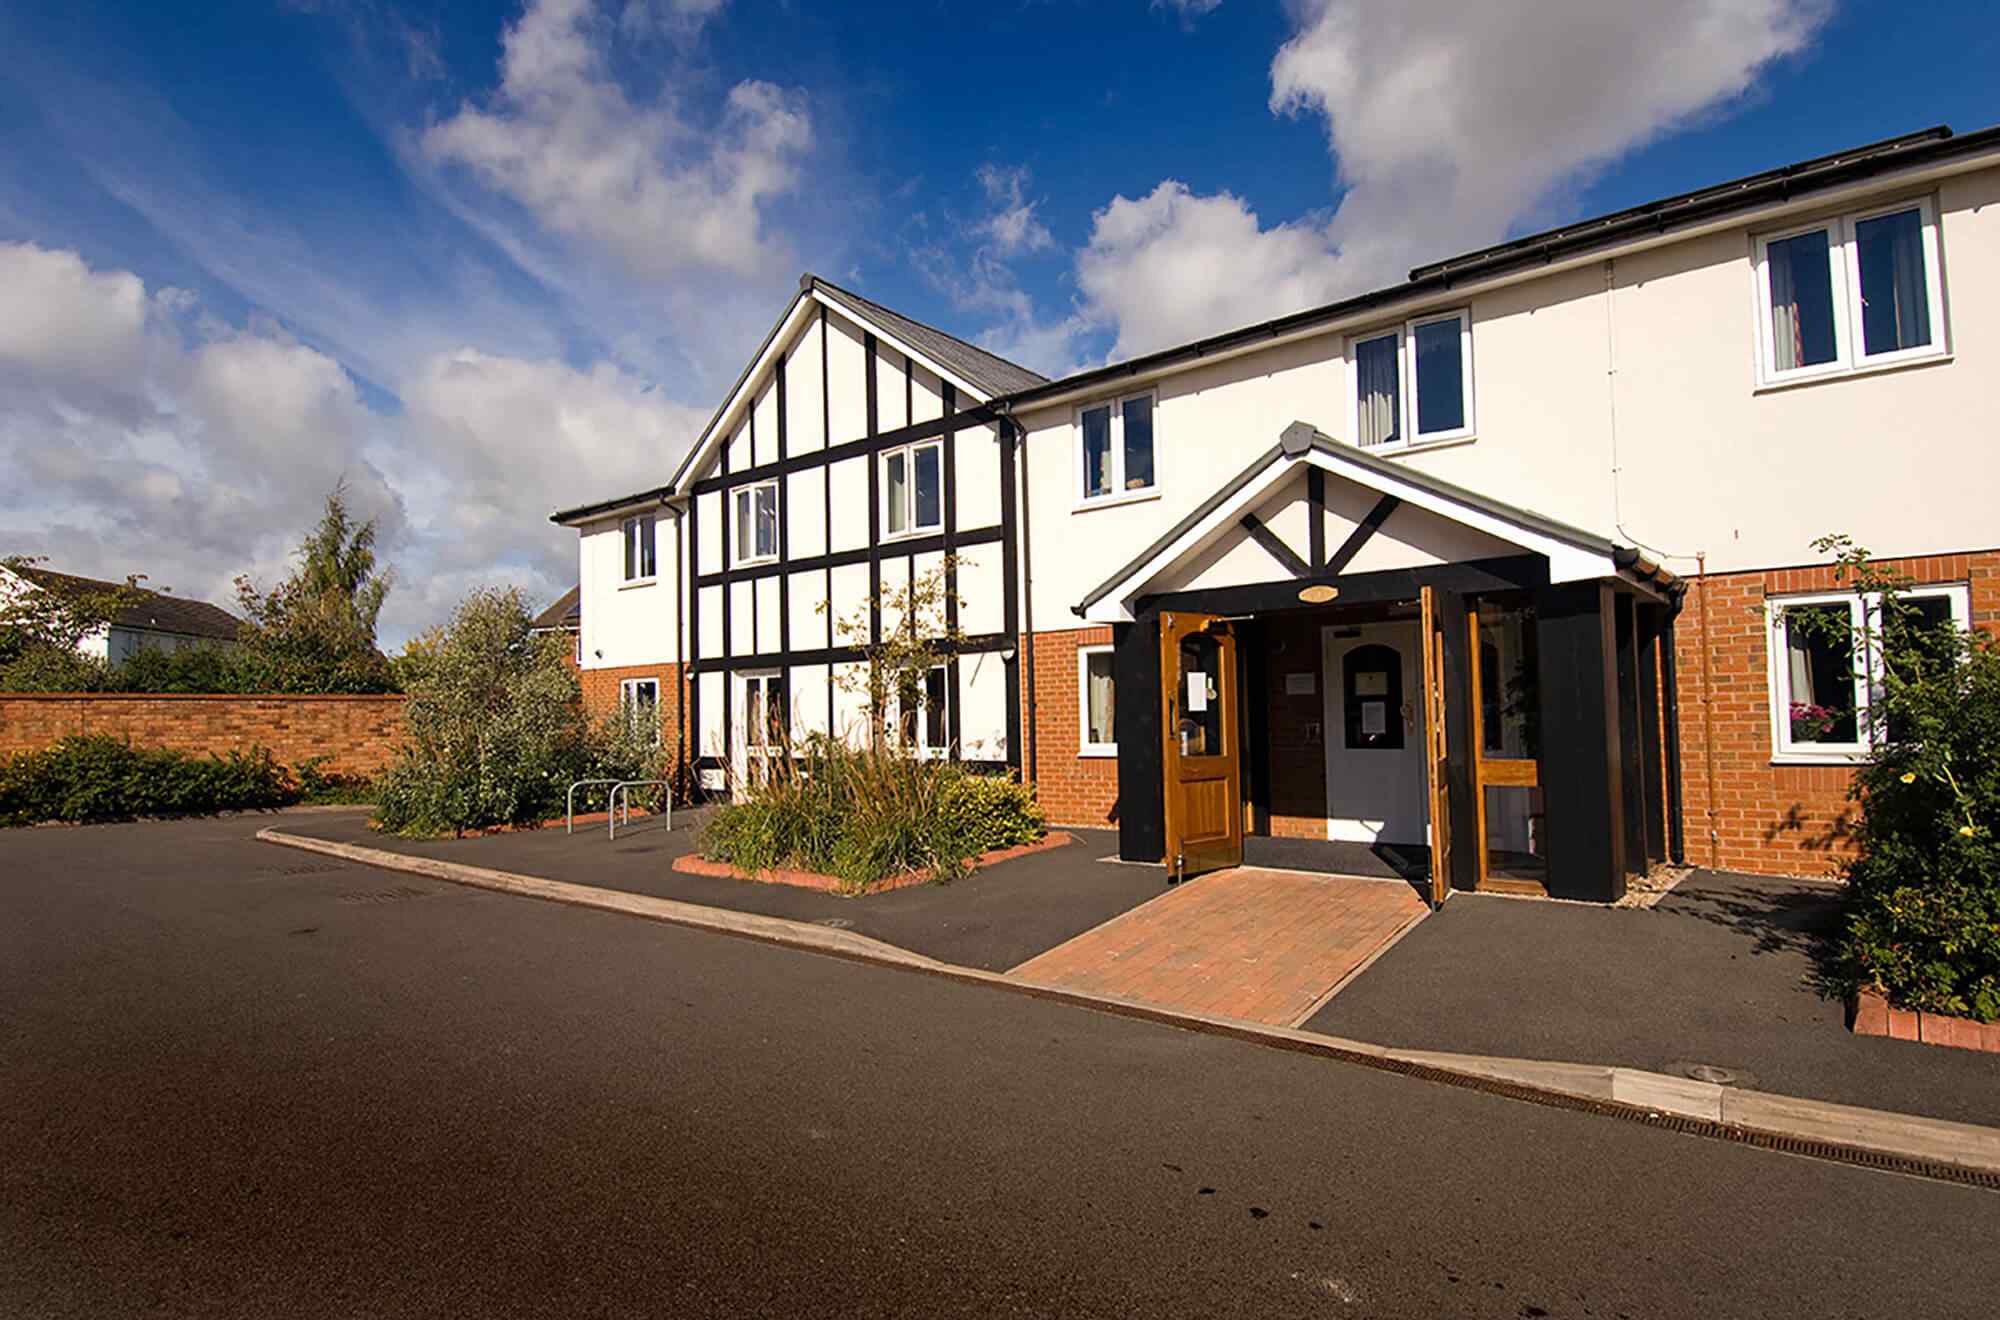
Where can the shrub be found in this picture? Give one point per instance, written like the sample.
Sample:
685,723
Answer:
863,815
87,779
1922,908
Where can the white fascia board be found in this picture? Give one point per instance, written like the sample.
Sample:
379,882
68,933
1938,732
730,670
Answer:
1567,562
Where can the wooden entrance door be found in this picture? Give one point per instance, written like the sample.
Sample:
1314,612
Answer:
1204,801
1434,750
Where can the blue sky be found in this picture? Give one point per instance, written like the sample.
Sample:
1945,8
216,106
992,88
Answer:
481,260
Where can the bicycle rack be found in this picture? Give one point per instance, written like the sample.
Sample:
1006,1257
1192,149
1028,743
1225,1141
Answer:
569,801
625,784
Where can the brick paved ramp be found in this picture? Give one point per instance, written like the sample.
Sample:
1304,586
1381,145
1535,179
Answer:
1265,946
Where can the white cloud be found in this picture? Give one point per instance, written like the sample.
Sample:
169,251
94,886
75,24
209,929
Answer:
1012,227
135,445
1451,125
660,191
1189,9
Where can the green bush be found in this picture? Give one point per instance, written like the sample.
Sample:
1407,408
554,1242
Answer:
863,815
497,730
1922,907
102,779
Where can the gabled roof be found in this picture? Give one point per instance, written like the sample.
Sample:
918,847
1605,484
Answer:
1574,553
151,611
994,375
985,375
565,614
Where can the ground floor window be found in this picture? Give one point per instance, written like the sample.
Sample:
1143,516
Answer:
925,725
1827,665
1097,733
764,736
639,699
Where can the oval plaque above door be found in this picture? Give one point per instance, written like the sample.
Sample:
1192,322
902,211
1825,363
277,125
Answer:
1318,594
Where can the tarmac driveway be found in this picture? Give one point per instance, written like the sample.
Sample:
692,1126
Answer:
1718,973
994,919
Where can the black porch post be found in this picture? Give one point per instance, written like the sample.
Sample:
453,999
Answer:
1454,622
1581,773
1632,767
1650,622
1142,798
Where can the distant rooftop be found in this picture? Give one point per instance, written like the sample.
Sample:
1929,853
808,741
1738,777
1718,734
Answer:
152,611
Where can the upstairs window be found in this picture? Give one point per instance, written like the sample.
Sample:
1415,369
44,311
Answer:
639,565
1413,384
1857,291
757,522
1115,449
913,489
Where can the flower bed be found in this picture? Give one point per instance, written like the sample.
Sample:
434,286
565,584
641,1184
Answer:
782,875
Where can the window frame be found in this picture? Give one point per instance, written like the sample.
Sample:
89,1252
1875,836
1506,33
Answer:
628,703
1844,262
749,491
911,526
1118,494
920,743
1409,414
1864,616
626,577
1085,745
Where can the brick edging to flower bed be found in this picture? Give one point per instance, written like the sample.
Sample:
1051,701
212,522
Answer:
1875,1016
784,875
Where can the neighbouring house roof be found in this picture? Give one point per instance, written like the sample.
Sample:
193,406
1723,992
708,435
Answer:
989,374
152,611
565,615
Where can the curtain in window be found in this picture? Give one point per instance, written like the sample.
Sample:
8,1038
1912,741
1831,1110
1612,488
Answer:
1378,387
899,492
1895,297
1098,699
1785,346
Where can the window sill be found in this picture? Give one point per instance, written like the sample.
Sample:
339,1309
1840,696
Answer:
1849,373
1837,760
1417,446
758,562
1097,753
912,534
638,582
1139,496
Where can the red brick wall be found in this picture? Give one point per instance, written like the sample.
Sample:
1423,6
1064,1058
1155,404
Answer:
1074,790
358,735
1772,819
601,687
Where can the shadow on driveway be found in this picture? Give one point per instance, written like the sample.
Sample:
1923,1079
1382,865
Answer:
994,919
1718,973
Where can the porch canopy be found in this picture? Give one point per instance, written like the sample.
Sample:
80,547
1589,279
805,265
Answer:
1315,525
1312,510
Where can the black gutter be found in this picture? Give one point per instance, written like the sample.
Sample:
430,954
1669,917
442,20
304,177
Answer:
1925,147
583,512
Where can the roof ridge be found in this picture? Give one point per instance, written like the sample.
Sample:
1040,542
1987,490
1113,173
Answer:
810,280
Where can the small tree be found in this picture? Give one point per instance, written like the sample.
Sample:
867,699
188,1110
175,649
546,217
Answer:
922,633
315,631
495,724
1922,919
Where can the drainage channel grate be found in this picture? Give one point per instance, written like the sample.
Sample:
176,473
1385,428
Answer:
1701,1127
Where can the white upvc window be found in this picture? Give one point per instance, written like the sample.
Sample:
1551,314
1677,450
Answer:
638,537
1861,290
926,729
757,522
1096,709
1411,384
1823,678
1114,450
913,489
639,699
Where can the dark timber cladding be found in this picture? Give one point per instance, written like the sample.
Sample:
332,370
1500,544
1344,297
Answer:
779,462
1582,772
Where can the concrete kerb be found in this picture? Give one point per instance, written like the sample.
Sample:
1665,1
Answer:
1632,1092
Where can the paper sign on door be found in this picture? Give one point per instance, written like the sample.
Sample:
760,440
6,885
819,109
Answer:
1197,699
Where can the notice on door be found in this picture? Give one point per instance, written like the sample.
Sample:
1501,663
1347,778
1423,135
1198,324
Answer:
1197,696
1374,718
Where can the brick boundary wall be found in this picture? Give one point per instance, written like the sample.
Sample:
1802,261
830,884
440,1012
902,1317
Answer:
358,735
1775,819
